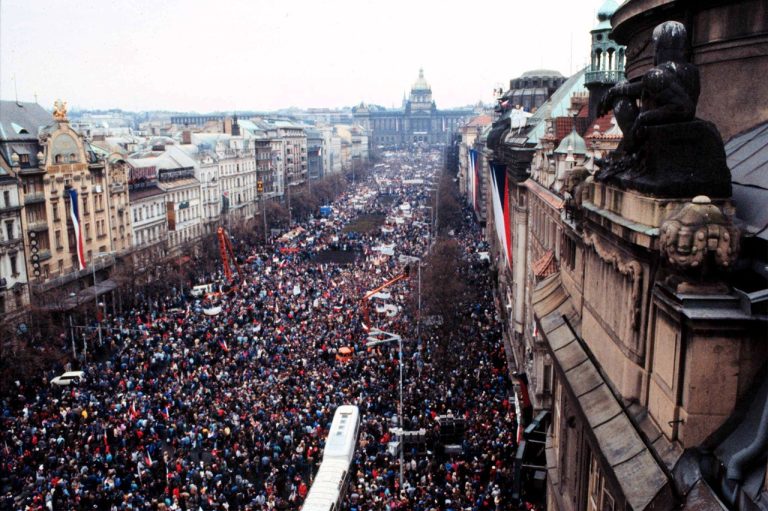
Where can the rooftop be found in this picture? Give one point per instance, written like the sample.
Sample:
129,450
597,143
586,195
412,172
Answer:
747,156
22,121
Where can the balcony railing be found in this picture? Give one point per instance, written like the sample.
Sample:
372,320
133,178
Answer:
603,76
34,198
9,208
37,226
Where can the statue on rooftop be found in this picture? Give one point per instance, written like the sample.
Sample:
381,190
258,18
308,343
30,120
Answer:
666,150
60,110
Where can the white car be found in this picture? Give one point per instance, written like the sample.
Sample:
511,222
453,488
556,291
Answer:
68,378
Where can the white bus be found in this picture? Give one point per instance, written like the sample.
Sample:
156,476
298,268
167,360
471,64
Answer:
332,477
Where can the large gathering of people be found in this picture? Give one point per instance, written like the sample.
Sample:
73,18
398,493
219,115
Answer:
224,402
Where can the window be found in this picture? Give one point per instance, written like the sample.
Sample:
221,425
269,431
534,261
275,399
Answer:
14,267
9,230
6,199
87,232
547,377
71,240
58,239
598,496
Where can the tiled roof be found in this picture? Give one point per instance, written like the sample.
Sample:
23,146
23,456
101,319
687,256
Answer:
480,120
603,124
22,121
143,193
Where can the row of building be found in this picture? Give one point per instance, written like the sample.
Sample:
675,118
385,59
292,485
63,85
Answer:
77,198
634,294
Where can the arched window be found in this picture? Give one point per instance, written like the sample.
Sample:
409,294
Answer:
597,60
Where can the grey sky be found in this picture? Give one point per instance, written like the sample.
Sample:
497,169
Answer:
263,55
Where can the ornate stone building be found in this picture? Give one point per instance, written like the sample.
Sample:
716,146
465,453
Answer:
13,273
418,120
69,245
634,304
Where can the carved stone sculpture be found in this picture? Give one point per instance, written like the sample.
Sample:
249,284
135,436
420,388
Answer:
60,110
698,240
666,151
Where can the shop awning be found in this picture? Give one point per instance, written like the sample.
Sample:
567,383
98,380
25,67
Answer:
641,479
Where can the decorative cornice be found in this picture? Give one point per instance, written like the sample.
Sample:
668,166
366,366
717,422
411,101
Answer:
630,268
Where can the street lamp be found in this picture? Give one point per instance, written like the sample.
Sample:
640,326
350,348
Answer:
98,255
72,296
375,338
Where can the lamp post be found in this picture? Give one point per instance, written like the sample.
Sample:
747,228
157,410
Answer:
375,338
97,255
72,296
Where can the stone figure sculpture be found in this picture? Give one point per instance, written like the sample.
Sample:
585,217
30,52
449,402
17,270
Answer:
666,150
699,240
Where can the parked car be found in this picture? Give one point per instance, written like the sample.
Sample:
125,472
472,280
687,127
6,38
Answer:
68,378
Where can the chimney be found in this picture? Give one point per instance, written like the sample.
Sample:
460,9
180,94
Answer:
186,137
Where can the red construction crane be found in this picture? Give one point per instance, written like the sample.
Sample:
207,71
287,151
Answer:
227,254
369,294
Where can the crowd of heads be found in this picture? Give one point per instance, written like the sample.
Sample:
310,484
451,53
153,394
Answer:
192,410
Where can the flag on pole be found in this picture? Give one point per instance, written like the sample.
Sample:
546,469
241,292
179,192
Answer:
75,214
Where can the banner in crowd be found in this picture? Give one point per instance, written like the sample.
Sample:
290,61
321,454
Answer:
501,209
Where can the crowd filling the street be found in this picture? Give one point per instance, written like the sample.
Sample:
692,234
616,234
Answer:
224,401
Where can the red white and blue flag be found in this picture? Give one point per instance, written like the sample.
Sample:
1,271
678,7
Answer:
74,212
474,179
501,218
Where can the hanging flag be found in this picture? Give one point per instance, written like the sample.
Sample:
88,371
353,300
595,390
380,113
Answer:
501,217
75,214
474,179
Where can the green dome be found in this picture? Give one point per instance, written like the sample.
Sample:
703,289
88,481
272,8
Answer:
607,9
573,142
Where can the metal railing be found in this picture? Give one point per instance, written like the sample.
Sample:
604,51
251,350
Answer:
603,76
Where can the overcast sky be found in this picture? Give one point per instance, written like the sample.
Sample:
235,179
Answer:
202,56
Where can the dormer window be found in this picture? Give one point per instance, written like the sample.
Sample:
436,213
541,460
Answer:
20,130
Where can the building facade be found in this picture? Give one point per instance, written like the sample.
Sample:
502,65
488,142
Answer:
646,376
418,120
14,294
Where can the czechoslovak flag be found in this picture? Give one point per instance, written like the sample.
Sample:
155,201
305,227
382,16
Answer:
75,214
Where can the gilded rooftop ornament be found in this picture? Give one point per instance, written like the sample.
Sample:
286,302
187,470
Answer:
60,110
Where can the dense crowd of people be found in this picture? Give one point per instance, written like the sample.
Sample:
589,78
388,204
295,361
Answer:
224,402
